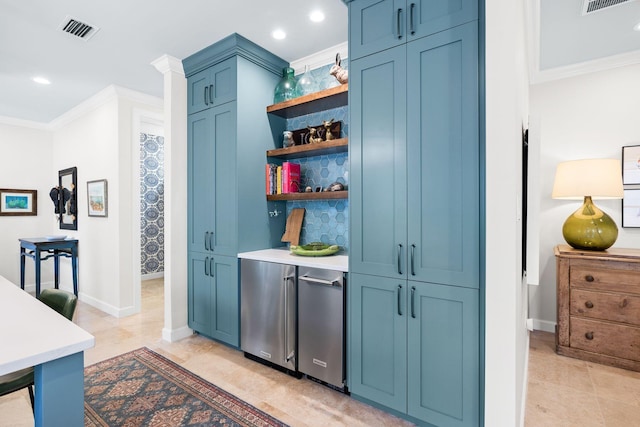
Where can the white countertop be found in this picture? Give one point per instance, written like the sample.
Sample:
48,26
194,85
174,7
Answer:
283,256
31,333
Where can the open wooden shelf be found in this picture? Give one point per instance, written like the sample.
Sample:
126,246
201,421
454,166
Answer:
311,103
323,195
340,145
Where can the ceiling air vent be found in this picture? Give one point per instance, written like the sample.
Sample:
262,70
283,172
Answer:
77,28
590,6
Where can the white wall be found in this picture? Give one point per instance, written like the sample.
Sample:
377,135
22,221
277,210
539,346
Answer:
506,309
26,165
589,116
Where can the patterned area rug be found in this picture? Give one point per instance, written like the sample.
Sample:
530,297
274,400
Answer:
143,388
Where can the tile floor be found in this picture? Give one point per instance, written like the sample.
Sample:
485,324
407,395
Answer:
561,391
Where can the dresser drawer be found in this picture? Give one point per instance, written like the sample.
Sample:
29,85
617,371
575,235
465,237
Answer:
626,281
607,306
605,338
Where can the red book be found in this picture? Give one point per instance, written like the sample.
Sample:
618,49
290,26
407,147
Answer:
290,177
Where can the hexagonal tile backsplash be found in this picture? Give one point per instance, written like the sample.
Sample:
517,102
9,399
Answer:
325,221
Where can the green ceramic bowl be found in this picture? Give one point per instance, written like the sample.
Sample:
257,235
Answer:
314,249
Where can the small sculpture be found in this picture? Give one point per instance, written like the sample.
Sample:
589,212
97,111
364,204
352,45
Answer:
313,139
338,72
327,129
287,139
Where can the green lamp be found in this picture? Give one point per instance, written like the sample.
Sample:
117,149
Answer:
589,227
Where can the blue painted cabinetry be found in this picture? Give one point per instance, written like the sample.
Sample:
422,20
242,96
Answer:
414,322
229,83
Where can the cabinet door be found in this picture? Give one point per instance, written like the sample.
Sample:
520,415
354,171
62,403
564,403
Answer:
375,25
377,151
212,86
443,158
224,191
443,354
200,180
425,17
378,339
225,299
199,292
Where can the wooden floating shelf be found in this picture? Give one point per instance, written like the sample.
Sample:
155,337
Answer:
309,196
311,103
340,145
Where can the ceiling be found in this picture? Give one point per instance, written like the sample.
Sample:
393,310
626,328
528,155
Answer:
131,35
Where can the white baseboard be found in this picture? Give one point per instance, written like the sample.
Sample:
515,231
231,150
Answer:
107,308
151,276
173,335
544,325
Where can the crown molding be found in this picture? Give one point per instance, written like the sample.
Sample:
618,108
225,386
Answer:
168,63
322,58
11,121
105,95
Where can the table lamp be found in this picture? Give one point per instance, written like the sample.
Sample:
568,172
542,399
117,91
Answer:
589,227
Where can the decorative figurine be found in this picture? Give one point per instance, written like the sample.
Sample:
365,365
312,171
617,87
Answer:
327,129
313,139
338,72
287,139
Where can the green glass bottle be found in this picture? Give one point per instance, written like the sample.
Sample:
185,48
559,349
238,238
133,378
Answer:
286,87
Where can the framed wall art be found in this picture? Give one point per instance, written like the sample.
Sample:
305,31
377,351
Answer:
18,202
631,208
631,164
97,198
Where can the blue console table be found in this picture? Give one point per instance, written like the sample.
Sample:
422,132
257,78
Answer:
36,247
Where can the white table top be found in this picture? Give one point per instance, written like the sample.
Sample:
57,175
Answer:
283,256
31,333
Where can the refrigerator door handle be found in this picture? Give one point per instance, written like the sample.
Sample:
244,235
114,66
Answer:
288,355
335,282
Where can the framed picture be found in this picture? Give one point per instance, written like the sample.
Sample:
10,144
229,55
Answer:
97,201
631,164
18,202
631,208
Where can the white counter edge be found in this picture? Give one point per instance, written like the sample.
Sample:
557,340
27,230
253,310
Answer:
283,256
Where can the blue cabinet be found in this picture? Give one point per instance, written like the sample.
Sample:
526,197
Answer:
229,83
376,25
415,254
414,348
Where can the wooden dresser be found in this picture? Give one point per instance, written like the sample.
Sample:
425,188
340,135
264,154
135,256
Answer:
598,297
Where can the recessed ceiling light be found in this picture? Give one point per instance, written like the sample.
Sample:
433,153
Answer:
637,27
41,80
316,16
278,34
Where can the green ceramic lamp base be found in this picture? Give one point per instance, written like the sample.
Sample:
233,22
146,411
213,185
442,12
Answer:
590,228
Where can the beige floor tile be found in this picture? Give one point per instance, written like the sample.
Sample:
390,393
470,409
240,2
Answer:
619,414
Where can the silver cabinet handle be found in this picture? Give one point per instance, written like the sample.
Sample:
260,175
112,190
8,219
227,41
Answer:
211,267
411,9
211,241
335,282
413,302
399,300
399,258
211,93
398,21
206,264
206,240
206,95
413,266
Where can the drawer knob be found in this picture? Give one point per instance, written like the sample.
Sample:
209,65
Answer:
589,336
588,278
588,304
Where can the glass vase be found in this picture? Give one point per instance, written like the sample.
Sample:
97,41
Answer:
306,83
286,87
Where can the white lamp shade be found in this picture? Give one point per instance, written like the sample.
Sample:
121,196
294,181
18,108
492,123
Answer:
598,178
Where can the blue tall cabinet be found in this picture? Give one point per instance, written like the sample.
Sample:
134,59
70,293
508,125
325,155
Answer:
414,263
229,83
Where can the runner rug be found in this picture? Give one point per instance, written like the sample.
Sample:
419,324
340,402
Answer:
143,388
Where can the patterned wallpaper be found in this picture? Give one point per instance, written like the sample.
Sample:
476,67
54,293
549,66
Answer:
151,203
325,221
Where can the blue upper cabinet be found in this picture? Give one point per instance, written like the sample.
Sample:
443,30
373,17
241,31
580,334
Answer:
212,86
376,25
443,158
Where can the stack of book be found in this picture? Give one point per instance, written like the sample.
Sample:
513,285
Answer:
282,179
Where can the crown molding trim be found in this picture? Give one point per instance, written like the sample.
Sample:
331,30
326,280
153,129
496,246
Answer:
168,63
11,121
322,58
